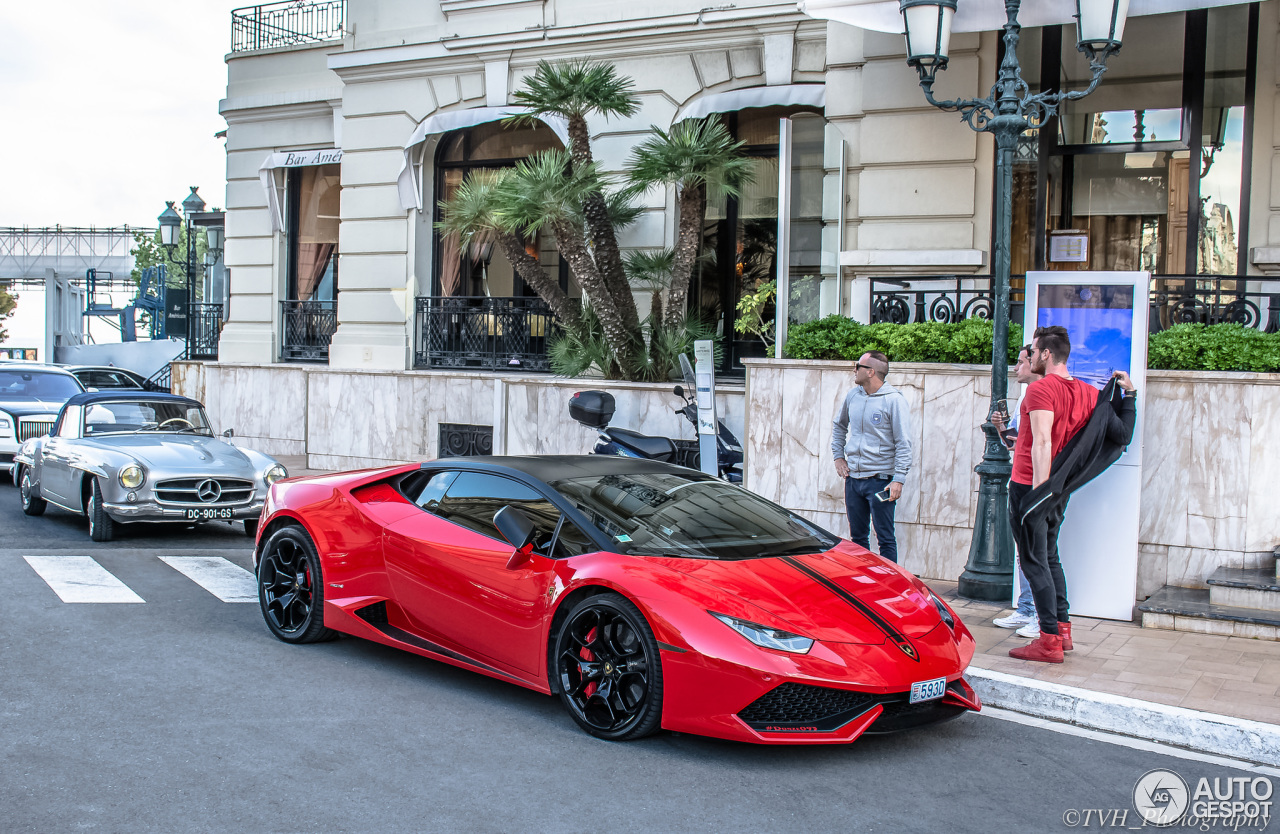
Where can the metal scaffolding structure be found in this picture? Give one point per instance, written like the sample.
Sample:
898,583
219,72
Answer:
27,253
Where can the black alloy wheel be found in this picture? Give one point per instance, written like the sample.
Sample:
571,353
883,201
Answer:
609,671
32,503
290,592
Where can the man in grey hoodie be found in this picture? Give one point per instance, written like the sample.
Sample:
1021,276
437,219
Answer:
871,442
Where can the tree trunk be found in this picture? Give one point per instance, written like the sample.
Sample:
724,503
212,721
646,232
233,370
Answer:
623,340
608,256
548,289
693,211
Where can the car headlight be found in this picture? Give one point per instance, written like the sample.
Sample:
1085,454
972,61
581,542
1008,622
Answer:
4,422
131,477
943,611
275,473
766,637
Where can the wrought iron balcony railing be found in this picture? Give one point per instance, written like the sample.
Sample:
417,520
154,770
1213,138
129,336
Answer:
1251,301
205,324
273,25
495,334
306,328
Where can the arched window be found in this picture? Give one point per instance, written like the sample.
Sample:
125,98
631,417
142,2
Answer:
739,242
482,269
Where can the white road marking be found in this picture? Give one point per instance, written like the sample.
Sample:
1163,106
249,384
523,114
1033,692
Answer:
81,579
226,581
1125,741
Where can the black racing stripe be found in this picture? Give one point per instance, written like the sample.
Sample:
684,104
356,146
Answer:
899,639
414,640
667,647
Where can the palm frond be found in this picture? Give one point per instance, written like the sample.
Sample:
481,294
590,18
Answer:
649,268
473,207
542,190
693,152
577,88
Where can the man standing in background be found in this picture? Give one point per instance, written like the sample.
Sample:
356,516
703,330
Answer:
1024,617
871,442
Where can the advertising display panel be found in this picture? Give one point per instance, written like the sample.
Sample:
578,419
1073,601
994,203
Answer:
1105,314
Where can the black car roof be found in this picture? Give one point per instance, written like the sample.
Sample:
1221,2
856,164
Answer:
551,468
125,395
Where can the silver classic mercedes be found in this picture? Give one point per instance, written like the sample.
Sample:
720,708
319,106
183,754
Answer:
133,456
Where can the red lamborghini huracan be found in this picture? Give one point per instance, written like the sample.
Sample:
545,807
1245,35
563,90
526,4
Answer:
645,595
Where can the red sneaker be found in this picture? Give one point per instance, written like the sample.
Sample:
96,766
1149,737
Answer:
1064,631
1047,648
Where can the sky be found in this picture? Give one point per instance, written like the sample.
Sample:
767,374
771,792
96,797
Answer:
110,108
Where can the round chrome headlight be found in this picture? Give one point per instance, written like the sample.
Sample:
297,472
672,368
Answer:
131,477
275,473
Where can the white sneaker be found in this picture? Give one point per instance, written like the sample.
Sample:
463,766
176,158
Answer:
1014,620
1031,630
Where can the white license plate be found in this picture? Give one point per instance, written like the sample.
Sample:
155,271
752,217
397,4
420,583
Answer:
928,690
210,513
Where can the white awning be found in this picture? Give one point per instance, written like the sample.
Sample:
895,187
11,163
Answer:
408,185
982,15
289,159
793,95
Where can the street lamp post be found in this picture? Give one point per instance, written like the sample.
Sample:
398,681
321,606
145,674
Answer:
1007,112
169,221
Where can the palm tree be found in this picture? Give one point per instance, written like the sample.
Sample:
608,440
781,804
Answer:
573,91
474,209
694,156
546,192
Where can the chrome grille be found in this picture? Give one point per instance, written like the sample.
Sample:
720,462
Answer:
197,492
28,428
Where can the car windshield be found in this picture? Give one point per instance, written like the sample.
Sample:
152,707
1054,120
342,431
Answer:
144,415
18,384
671,514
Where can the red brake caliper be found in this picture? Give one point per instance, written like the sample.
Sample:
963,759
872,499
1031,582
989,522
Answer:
585,654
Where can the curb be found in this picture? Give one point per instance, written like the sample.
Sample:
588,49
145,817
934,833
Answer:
1223,735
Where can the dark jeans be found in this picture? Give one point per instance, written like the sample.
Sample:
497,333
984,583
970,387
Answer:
1037,543
863,509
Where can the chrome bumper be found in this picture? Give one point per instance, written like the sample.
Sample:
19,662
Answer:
151,511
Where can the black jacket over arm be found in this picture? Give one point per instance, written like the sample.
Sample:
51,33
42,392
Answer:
1095,447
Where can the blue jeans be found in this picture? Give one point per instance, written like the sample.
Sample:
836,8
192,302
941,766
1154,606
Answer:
864,509
1026,603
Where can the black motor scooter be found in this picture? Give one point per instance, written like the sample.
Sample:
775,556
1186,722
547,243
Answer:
594,409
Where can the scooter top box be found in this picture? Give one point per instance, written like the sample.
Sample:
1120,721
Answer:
593,409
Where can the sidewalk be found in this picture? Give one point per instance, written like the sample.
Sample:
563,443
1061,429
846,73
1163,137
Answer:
1233,676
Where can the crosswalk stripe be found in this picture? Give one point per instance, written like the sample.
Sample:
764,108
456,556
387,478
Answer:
81,579
225,580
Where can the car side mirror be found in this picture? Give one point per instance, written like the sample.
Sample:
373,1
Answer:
229,433
518,530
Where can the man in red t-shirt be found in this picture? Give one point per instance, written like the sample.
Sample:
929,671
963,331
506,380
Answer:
1053,410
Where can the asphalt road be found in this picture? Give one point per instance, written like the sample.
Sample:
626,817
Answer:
182,714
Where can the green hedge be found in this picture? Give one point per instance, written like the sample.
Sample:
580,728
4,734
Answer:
1218,347
836,337
1183,347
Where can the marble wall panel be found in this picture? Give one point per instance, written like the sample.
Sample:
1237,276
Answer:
258,401
764,431
943,468
1219,462
805,441
912,386
1153,569
933,551
1262,527
1189,567
1166,474
831,391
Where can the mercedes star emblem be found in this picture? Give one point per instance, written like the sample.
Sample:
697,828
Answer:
209,491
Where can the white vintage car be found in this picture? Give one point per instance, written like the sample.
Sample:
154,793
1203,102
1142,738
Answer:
130,456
